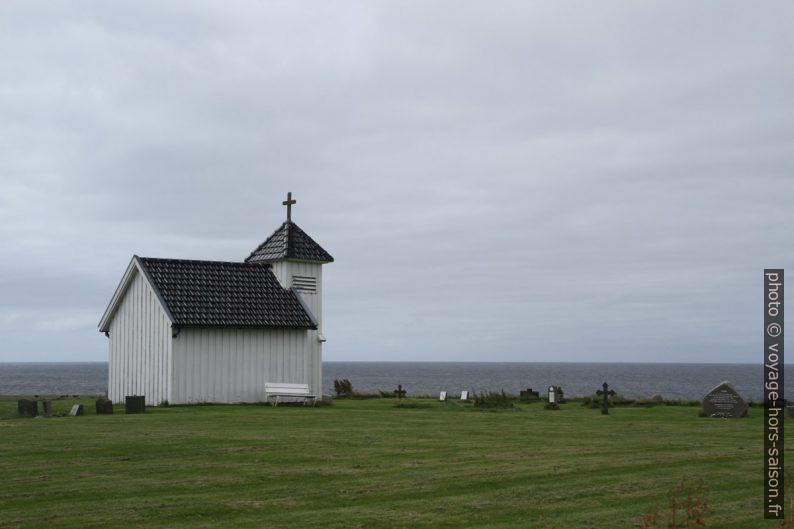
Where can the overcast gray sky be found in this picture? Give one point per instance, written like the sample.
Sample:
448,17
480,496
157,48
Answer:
498,181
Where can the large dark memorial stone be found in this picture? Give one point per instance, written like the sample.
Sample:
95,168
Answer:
28,408
136,404
104,407
528,394
724,401
46,408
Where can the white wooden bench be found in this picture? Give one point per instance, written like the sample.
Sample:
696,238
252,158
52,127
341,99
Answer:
283,389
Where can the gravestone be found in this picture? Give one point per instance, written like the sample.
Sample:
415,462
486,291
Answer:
464,395
558,396
400,391
76,410
605,393
724,401
553,399
134,404
442,396
46,408
528,394
104,406
28,408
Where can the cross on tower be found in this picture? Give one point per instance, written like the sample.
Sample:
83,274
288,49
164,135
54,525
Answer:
606,392
289,202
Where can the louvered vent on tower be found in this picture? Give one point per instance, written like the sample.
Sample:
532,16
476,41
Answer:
304,283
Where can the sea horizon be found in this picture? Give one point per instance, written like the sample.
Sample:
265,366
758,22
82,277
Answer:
671,380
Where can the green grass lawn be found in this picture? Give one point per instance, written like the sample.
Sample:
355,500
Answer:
367,464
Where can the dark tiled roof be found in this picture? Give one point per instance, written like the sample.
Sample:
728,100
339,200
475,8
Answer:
289,242
220,293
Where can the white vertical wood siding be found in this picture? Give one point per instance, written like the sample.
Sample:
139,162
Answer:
285,270
232,365
140,347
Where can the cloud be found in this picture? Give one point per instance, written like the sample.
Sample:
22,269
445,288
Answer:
527,181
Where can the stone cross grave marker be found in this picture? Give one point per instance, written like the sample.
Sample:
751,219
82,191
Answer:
724,401
400,391
605,393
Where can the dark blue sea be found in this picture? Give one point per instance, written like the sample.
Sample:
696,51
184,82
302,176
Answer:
672,381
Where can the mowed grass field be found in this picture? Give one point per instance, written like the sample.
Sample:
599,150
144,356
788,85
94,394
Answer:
368,464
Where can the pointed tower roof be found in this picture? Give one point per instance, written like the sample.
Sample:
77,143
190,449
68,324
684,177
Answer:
289,242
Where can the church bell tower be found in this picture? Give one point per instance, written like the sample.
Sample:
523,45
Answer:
297,261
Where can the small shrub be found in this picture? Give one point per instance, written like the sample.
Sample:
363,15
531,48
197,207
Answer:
364,396
343,388
620,400
647,403
596,402
682,403
493,399
686,506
